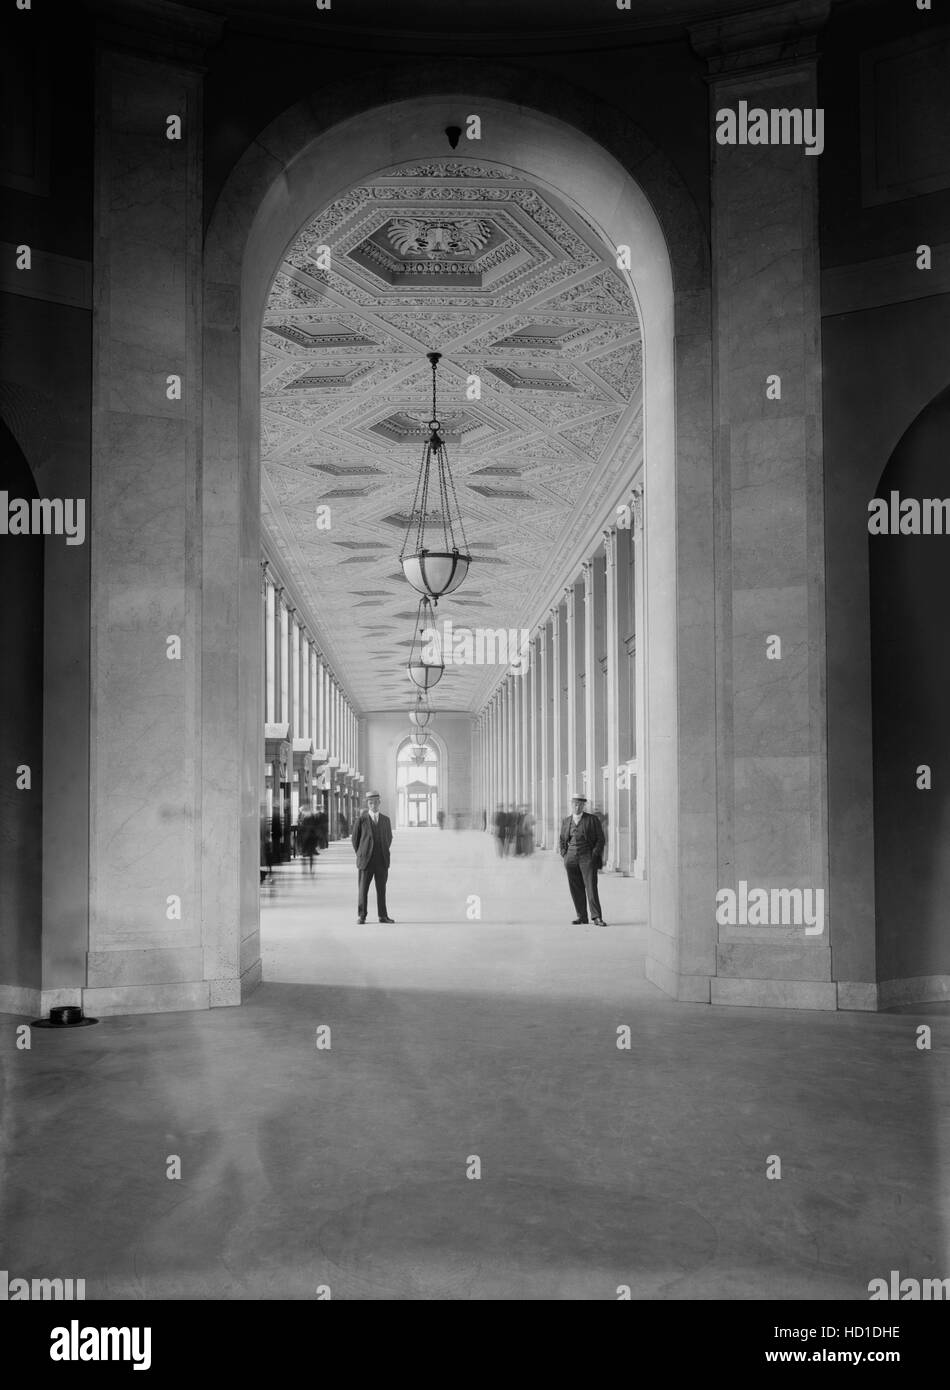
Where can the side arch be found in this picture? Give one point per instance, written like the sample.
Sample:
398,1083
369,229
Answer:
21,742
910,677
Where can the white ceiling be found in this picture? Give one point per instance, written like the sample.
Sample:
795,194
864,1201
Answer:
471,261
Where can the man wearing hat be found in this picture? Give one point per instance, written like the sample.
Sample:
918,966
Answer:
371,838
582,849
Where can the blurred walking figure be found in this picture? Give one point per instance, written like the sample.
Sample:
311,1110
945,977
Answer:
501,829
307,837
581,844
372,837
525,840
267,854
276,838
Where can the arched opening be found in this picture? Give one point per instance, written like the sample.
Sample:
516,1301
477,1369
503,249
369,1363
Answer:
261,213
418,795
21,735
910,574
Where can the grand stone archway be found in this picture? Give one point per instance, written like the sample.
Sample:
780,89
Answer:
301,164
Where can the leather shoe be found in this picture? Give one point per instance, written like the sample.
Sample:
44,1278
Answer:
599,922
580,922
361,920
389,920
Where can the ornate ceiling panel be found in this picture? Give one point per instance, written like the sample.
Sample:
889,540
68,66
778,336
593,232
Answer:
513,289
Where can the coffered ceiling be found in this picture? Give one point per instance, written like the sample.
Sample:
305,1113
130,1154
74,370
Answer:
511,287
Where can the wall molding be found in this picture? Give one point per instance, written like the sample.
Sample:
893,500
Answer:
58,279
851,289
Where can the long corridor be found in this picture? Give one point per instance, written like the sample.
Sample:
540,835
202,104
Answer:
467,920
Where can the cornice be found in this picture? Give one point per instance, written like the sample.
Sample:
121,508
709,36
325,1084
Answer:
157,28
759,38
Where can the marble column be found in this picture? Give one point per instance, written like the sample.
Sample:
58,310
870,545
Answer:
533,725
519,736
312,726
772,767
590,687
286,613
304,666
293,641
494,752
626,788
509,743
500,745
557,788
612,807
512,740
600,677
570,672
492,767
524,692
265,585
544,834
641,746
270,709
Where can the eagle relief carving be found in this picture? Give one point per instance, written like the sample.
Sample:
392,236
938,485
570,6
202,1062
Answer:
413,236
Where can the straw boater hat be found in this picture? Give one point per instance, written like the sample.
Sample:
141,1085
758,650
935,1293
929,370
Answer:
578,796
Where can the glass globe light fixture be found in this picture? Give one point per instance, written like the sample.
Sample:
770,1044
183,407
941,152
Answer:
425,665
435,563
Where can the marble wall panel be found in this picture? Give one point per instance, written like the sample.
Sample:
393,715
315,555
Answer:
785,961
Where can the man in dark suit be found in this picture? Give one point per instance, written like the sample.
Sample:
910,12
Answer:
371,838
581,844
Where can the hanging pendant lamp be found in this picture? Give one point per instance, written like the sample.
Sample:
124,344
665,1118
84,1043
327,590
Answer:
419,738
421,712
425,665
437,561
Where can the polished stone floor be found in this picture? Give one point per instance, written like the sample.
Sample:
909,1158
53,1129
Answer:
453,1039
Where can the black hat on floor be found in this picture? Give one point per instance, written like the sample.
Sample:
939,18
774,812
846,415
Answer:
65,1016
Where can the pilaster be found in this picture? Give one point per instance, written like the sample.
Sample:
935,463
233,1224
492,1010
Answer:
772,754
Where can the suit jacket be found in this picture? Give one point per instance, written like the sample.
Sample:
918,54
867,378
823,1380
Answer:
366,837
591,836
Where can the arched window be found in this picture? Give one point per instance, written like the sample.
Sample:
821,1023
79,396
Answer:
417,785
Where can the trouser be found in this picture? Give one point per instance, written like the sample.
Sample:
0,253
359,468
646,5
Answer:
582,880
378,870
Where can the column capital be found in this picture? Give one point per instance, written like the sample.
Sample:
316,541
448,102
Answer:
636,509
759,38
610,551
587,569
